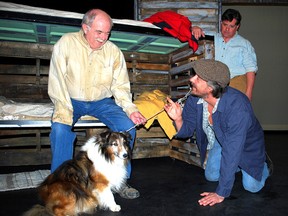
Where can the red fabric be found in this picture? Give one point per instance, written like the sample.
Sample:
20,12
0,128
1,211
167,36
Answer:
177,25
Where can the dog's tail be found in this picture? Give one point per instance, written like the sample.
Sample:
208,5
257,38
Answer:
37,210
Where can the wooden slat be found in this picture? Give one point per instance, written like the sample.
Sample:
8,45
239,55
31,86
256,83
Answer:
148,66
185,157
18,79
152,132
150,152
25,50
181,68
142,88
146,57
184,55
188,147
155,132
22,92
15,132
149,78
24,141
24,157
22,69
183,81
151,147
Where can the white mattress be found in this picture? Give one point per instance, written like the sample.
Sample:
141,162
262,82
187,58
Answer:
7,6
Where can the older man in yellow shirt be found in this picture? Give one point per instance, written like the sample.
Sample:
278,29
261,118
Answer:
88,76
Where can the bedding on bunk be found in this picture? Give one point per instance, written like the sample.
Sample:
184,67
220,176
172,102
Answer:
148,103
11,110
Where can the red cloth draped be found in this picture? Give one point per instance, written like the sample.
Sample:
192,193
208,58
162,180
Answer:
175,24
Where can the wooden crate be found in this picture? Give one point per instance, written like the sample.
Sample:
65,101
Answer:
185,151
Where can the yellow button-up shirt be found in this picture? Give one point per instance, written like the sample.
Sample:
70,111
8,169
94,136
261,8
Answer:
76,71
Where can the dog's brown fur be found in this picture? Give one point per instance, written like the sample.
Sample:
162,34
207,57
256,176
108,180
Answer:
86,182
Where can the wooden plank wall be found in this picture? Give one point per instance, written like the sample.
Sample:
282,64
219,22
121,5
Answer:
202,13
24,71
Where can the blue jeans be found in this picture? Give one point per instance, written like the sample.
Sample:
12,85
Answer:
106,110
212,171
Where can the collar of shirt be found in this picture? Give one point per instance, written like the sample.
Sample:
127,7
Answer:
231,39
202,101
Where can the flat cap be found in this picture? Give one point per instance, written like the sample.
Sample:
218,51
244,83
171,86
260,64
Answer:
212,70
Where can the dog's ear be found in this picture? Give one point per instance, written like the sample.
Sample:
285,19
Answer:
102,137
105,135
127,135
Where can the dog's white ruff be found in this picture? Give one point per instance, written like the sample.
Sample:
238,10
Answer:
115,172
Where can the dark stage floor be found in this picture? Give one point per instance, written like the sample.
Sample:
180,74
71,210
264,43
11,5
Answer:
171,187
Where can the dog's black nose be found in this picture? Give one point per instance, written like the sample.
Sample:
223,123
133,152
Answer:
125,155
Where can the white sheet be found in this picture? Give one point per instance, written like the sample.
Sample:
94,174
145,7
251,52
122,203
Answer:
7,6
11,110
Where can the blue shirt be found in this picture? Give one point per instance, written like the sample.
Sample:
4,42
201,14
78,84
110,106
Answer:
238,54
238,131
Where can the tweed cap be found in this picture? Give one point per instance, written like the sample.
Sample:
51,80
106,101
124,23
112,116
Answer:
212,70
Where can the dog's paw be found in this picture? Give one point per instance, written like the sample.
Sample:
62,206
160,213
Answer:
115,208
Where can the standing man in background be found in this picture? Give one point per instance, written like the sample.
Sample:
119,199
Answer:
88,76
235,51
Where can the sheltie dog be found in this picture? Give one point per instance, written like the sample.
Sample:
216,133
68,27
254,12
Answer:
87,182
